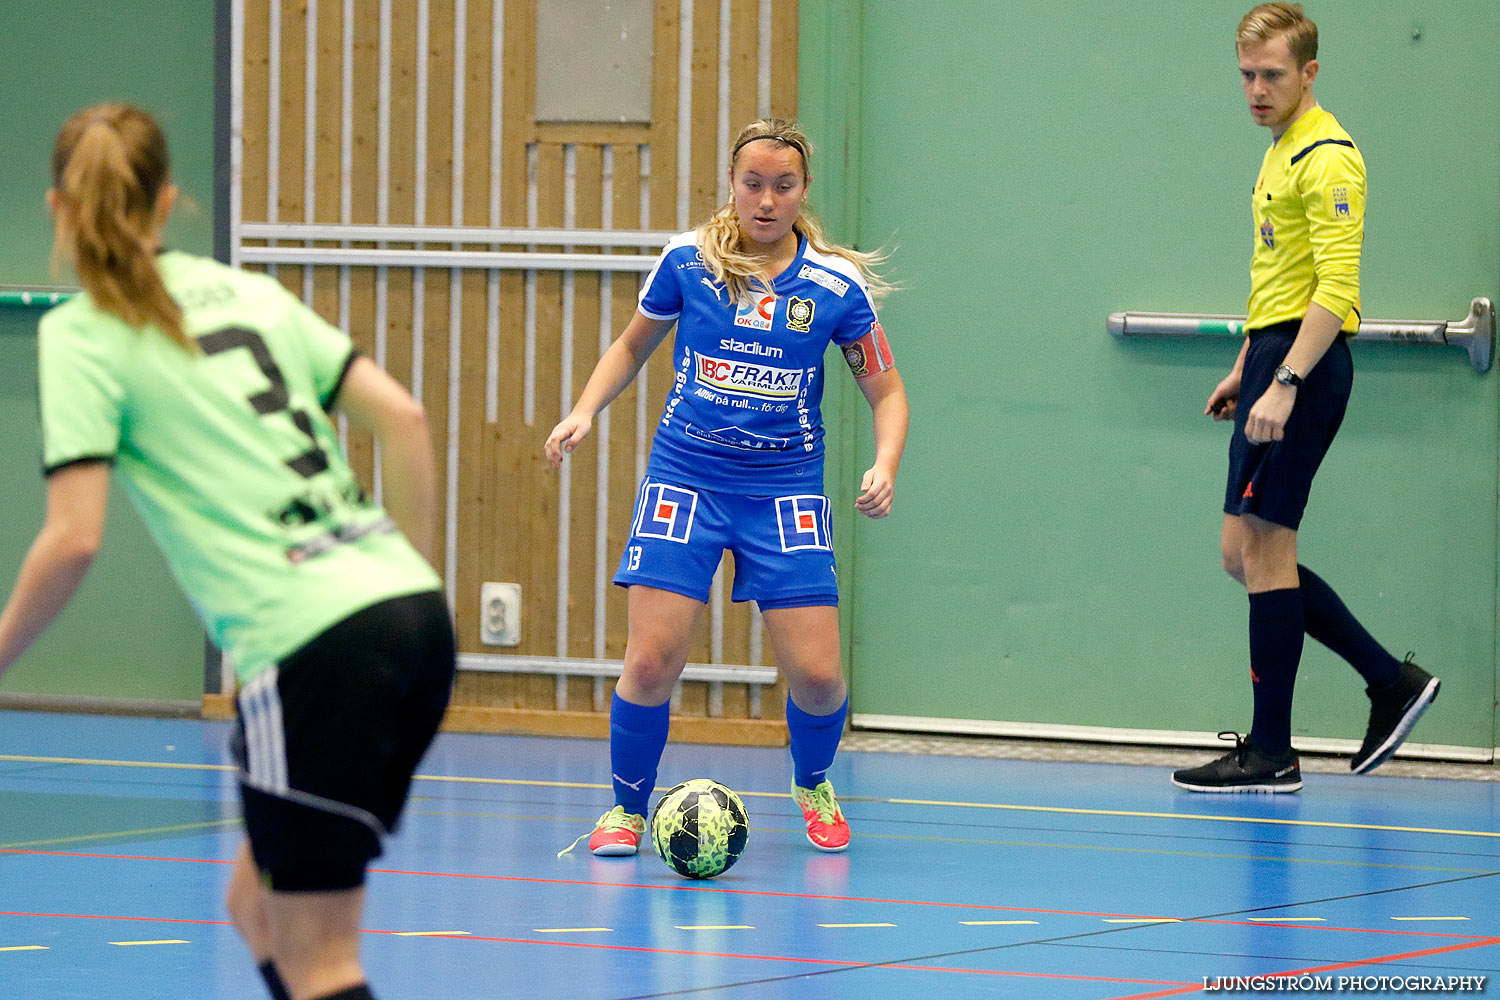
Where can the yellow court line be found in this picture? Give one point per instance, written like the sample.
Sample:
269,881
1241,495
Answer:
572,930
25,947
169,765
131,944
56,841
715,927
994,923
431,933
856,925
1223,819
1429,918
1066,810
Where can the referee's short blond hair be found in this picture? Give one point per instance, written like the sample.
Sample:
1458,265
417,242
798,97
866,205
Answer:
1271,19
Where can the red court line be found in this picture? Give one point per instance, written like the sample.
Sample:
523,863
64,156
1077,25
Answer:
668,887
789,959
1378,960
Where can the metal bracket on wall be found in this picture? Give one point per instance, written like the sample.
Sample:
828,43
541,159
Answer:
1475,333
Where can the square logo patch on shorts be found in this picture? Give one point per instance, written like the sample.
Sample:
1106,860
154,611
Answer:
666,512
804,522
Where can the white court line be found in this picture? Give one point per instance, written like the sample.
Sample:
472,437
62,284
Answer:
572,930
995,923
715,927
1429,918
132,944
856,925
1142,920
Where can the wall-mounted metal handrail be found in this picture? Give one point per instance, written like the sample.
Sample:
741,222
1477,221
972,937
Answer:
486,259
576,667
500,236
1475,333
34,298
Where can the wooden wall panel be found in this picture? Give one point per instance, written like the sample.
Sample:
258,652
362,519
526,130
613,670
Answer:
588,175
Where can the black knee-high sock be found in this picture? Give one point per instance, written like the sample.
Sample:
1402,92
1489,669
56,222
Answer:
1330,622
360,992
273,981
1276,625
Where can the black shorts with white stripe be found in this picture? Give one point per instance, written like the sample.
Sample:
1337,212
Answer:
328,740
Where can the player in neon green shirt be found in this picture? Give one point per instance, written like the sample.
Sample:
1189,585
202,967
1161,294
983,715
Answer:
208,390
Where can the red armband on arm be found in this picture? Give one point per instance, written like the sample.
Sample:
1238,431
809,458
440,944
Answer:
870,354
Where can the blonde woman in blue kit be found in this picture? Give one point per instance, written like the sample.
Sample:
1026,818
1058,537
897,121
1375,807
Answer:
207,391
757,294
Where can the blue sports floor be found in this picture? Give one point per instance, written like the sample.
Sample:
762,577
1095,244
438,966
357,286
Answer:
967,878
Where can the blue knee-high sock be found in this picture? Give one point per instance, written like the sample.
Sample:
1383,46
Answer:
1276,626
1331,623
637,737
815,739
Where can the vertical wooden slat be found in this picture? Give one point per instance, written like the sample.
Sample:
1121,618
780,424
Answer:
291,155
744,63
363,192
587,214
475,490
704,171
744,30
255,121
622,481
784,58
544,536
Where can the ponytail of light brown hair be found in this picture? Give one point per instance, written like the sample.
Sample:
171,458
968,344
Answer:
721,240
109,165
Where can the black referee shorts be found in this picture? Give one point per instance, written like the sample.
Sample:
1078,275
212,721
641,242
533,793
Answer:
1274,480
328,740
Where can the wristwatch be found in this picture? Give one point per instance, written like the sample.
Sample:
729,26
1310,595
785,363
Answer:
1286,376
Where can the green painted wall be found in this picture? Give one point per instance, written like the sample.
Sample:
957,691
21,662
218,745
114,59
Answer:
1036,165
129,633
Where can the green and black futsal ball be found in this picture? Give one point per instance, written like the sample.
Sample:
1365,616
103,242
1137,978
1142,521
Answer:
699,828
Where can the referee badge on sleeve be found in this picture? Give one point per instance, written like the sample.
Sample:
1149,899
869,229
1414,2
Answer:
1340,205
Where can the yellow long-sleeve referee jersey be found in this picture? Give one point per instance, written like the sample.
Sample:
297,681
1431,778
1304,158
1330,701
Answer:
1309,210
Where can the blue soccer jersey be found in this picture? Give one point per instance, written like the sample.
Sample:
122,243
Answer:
744,414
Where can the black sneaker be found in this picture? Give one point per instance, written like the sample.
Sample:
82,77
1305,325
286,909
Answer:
1394,710
1246,768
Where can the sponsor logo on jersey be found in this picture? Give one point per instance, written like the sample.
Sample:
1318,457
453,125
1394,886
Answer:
804,522
1339,197
666,512
799,314
757,313
1268,234
738,437
696,262
747,379
832,282
718,290
752,347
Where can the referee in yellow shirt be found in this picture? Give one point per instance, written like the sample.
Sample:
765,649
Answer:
1286,395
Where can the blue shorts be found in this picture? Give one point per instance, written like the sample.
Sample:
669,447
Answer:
1274,480
782,546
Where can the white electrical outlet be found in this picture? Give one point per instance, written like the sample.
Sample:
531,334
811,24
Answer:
500,614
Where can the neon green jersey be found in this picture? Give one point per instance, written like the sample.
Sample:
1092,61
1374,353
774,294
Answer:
1309,211
229,455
